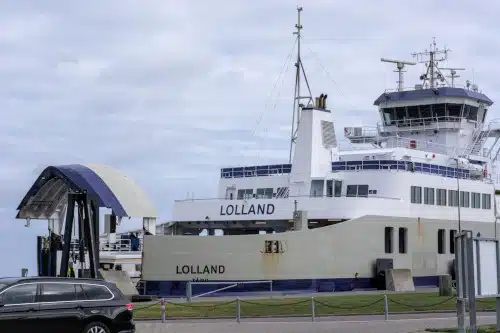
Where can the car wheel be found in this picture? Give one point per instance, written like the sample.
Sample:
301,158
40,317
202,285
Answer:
96,327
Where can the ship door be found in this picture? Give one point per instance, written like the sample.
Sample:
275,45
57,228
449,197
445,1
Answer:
329,188
230,193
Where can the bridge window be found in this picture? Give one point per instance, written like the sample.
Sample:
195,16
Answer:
454,111
440,197
441,241
470,112
357,190
429,195
264,193
439,111
388,239
389,116
476,200
425,111
486,201
452,198
416,194
464,199
401,113
413,112
245,194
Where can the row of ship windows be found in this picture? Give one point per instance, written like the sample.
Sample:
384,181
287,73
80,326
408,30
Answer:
403,240
261,193
438,197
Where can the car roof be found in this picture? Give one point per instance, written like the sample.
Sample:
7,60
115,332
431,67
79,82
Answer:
52,279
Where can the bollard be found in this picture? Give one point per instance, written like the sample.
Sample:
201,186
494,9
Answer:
163,310
189,291
238,310
313,310
386,307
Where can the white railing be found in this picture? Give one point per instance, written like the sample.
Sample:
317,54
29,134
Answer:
121,245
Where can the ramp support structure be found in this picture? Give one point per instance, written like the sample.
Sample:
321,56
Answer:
88,223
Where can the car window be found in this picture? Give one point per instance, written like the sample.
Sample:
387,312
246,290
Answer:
21,294
58,292
96,292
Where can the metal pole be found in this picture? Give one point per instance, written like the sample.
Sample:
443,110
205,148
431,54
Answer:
313,310
386,307
238,310
458,193
189,291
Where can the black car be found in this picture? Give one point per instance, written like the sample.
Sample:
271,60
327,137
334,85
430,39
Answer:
63,305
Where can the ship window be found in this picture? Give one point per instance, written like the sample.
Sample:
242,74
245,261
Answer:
416,194
425,111
486,201
357,190
452,198
476,200
439,111
388,239
464,199
413,112
470,112
388,115
454,111
338,188
452,241
401,114
245,194
429,195
264,193
440,197
403,240
329,188
441,241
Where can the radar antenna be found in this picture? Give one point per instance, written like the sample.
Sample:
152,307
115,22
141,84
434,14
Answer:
433,73
453,74
400,66
297,106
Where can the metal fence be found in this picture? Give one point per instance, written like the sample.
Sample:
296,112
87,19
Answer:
312,308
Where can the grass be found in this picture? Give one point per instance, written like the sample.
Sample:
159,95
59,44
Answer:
480,329
332,305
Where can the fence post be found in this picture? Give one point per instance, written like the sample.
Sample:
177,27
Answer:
386,307
189,291
163,310
238,310
313,310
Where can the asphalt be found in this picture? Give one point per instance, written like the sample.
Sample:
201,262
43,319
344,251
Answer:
401,323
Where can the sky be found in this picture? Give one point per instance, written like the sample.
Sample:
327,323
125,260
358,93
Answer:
169,92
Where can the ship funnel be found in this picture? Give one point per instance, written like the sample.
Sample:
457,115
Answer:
321,101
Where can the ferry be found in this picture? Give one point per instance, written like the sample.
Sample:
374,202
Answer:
332,219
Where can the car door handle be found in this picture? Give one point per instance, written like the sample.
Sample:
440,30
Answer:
32,310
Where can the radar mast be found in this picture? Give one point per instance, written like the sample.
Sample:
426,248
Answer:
453,74
433,73
297,106
400,64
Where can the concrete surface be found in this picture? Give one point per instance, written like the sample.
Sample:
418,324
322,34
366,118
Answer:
350,324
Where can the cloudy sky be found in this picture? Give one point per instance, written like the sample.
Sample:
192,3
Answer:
168,92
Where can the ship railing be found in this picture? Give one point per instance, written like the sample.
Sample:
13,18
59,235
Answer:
404,166
319,196
425,122
121,245
462,86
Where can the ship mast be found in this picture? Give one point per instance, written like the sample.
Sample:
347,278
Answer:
297,106
433,73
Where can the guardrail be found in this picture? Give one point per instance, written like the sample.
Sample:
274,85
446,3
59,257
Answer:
313,307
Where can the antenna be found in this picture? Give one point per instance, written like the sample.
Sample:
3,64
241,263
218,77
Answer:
400,65
453,74
297,106
433,73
